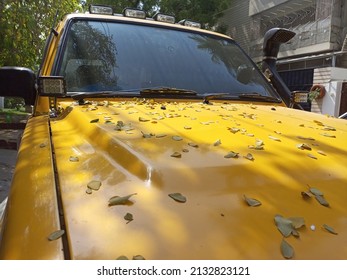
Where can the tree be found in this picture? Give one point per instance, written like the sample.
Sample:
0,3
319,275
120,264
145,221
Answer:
24,26
206,12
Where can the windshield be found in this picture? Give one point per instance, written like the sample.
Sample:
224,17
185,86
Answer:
114,56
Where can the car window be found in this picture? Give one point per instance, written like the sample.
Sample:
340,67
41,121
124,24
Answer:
117,56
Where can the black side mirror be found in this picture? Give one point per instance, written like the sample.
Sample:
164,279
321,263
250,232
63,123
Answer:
18,82
272,41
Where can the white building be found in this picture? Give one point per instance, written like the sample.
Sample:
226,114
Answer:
316,55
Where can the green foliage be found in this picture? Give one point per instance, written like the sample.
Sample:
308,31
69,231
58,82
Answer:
24,27
206,12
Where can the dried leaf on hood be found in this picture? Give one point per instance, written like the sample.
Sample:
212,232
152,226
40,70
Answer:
328,135
329,229
123,258
274,138
94,121
321,153
141,119
217,143
89,191
304,146
120,200
43,145
56,234
306,138
312,156
178,197
318,123
316,191
147,135
285,226
187,127
138,257
306,195
329,128
297,222
74,159
234,129
252,201
176,155
161,135
177,138
94,185
287,250
194,145
249,156
232,155
322,200
128,217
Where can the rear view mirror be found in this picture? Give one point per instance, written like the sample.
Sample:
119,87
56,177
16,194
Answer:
18,82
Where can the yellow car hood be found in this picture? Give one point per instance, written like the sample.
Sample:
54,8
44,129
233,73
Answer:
220,160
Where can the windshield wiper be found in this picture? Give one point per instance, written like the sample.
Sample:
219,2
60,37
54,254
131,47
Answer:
209,96
258,97
167,91
81,95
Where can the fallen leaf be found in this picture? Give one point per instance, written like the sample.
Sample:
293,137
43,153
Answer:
322,200
56,234
143,119
287,250
89,191
321,153
306,195
194,145
94,121
329,229
176,155
94,185
285,226
217,143
74,159
187,127
232,155
119,200
329,128
178,197
234,129
146,135
249,156
297,222
328,135
128,217
177,138
274,138
312,156
252,201
122,258
161,135
138,257
304,146
315,191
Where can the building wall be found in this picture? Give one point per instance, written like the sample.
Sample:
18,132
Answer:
320,25
320,44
